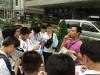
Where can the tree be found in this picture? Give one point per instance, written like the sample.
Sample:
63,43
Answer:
62,31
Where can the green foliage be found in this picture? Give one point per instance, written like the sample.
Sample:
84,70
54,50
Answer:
62,31
43,21
1,23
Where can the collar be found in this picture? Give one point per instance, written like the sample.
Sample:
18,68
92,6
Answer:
2,52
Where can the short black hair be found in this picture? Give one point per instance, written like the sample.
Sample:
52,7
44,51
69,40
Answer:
24,30
91,48
79,29
60,65
31,61
11,40
8,31
35,28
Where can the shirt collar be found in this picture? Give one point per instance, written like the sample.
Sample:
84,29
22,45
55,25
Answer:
2,52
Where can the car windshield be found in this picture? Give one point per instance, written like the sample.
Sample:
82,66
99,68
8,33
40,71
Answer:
97,24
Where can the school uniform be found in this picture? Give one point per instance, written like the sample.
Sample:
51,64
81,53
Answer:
49,51
4,70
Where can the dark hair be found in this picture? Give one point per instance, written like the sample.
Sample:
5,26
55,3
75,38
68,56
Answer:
24,30
7,31
60,65
14,28
48,25
18,26
35,28
91,48
31,61
79,29
11,40
43,26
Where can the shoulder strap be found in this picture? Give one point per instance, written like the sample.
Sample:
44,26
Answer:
52,36
7,63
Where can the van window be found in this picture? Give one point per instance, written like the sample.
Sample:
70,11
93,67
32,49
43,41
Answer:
87,27
71,23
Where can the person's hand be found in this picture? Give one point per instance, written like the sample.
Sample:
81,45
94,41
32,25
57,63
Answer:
67,36
18,62
42,73
83,68
36,46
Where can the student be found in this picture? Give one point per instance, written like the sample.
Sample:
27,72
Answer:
7,31
48,51
43,30
35,35
25,43
61,64
16,30
90,51
8,46
31,63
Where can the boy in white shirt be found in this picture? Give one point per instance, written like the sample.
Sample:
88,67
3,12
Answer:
9,45
25,43
90,51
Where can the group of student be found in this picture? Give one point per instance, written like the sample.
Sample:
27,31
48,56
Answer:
23,50
28,39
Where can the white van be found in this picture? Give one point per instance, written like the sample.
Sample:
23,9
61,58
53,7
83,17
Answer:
89,28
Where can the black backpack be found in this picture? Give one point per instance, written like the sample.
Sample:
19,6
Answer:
49,42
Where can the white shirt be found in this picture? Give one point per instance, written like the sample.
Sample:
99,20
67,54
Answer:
54,44
87,72
91,72
26,46
3,68
35,37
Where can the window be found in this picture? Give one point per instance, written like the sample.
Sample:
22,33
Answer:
16,2
87,27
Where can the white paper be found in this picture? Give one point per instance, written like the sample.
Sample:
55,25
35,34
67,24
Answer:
16,54
64,51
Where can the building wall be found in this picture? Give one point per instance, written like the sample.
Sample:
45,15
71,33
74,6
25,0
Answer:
18,7
49,2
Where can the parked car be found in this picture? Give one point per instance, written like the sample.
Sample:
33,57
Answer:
90,29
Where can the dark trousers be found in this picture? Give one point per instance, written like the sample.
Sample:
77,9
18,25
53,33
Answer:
46,55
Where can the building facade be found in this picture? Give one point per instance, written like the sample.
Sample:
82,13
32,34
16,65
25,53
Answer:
9,8
33,11
78,9
18,6
5,8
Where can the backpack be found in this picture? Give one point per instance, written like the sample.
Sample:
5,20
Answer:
49,42
7,63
